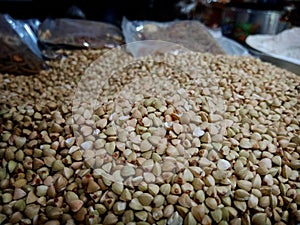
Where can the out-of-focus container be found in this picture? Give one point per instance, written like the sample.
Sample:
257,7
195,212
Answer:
238,23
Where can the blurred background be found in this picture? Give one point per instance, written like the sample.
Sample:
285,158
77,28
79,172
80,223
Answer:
230,21
208,11
236,19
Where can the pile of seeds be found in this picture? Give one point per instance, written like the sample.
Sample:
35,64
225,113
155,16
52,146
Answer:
187,139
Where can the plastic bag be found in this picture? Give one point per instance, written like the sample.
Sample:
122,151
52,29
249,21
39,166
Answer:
190,34
80,33
34,25
19,52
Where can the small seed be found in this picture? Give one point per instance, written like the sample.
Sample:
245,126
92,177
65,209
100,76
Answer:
41,190
240,205
135,204
53,212
18,194
241,194
252,201
15,217
153,189
211,203
7,197
185,201
223,164
216,215
244,184
20,141
158,201
245,143
261,219
20,183
110,219
127,171
76,205
189,219
92,187
165,189
145,199
264,201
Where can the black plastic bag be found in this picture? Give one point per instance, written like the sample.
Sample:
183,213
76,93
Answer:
19,52
80,33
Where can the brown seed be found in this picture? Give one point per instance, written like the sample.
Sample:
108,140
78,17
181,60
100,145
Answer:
175,189
145,146
222,190
145,199
126,195
149,177
206,138
206,220
135,204
119,208
61,183
286,171
158,201
240,205
70,142
256,181
86,130
20,141
142,216
41,190
31,198
264,201
117,187
198,212
168,211
7,197
211,203
52,222
76,205
68,172
182,210
32,210
226,201
200,196
92,187
216,215
154,140
53,212
20,183
165,189
189,219
209,180
15,217
57,165
172,151
261,219
241,194
19,193
81,214
252,201
223,164
245,143
236,221
110,219
127,171
185,201
244,184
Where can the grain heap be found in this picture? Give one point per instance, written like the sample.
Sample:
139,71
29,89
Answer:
189,139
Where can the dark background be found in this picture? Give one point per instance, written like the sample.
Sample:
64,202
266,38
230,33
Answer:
108,11
112,11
